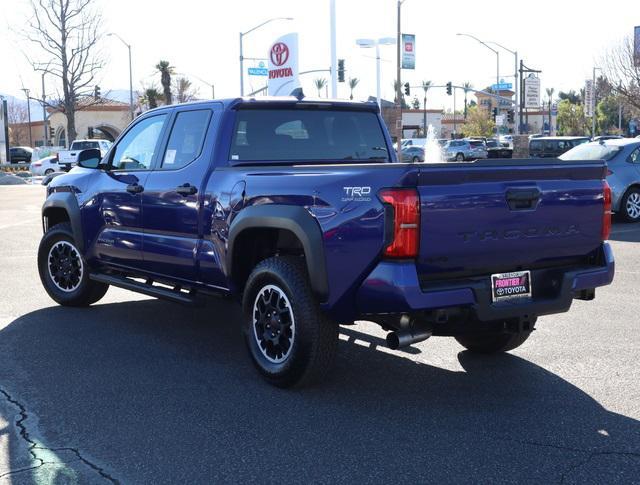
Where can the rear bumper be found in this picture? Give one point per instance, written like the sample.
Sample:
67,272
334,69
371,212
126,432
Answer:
394,288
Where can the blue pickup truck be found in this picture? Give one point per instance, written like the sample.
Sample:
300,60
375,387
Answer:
299,209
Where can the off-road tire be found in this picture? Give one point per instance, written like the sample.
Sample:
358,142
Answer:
492,343
311,353
86,291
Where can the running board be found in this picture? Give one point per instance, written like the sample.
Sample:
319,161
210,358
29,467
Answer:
175,295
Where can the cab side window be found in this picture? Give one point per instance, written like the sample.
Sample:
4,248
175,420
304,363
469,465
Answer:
136,149
186,139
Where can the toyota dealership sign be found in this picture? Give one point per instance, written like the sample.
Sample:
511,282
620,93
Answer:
283,65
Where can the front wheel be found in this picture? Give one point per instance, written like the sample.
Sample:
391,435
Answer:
63,271
630,205
416,160
492,343
290,341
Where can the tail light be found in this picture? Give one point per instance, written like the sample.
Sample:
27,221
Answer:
405,215
36,164
606,216
609,172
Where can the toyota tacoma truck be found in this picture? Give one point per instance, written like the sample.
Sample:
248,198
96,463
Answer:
299,208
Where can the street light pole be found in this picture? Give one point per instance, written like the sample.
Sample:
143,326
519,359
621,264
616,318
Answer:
334,62
130,73
497,90
515,86
242,34
399,81
368,43
26,92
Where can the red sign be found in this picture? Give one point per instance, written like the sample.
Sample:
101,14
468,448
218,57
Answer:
279,53
408,46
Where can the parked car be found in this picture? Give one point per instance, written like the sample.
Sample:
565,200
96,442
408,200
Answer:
496,149
48,178
607,137
20,154
413,154
508,139
623,162
300,212
413,142
460,150
45,165
68,158
554,146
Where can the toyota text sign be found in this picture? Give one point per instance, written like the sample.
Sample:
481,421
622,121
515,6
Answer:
283,65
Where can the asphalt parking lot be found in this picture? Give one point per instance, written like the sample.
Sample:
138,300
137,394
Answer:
136,390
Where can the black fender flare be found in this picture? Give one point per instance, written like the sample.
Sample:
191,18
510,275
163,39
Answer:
68,202
292,218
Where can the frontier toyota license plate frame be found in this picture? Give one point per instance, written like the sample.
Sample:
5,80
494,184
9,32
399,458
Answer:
515,285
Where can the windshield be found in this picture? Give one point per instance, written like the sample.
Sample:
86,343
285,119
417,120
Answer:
591,151
299,135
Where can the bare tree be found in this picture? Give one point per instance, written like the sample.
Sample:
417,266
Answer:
17,119
622,72
67,33
184,90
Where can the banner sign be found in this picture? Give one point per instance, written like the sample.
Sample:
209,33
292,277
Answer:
532,92
408,51
588,98
636,45
283,65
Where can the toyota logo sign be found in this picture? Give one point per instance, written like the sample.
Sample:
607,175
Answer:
279,53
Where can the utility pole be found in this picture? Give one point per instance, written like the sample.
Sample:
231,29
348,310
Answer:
44,112
334,62
455,131
26,92
399,81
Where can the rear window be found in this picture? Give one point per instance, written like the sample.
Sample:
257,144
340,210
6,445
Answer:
591,151
477,144
307,135
84,145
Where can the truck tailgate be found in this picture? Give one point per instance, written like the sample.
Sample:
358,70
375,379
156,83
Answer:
500,216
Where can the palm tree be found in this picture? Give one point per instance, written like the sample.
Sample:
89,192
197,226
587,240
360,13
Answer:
353,82
550,94
467,87
425,87
151,97
320,83
166,70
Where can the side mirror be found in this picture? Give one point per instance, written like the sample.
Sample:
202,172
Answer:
89,158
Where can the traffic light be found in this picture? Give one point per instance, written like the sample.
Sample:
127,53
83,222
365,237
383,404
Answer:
96,92
52,134
407,89
494,113
449,89
510,116
340,70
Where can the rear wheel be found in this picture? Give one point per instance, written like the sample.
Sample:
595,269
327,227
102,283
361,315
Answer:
63,271
460,157
416,159
290,341
48,171
492,343
630,205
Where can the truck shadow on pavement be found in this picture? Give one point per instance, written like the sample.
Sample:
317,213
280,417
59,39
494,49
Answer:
159,393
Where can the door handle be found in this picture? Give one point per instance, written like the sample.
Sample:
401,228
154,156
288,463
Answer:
187,189
134,188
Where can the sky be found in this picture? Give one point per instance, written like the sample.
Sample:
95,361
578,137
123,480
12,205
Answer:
564,39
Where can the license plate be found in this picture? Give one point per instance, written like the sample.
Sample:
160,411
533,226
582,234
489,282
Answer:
508,286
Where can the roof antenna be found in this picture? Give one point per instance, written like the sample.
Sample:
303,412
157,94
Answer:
297,92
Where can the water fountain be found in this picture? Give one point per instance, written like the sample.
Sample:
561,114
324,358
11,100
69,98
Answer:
432,150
